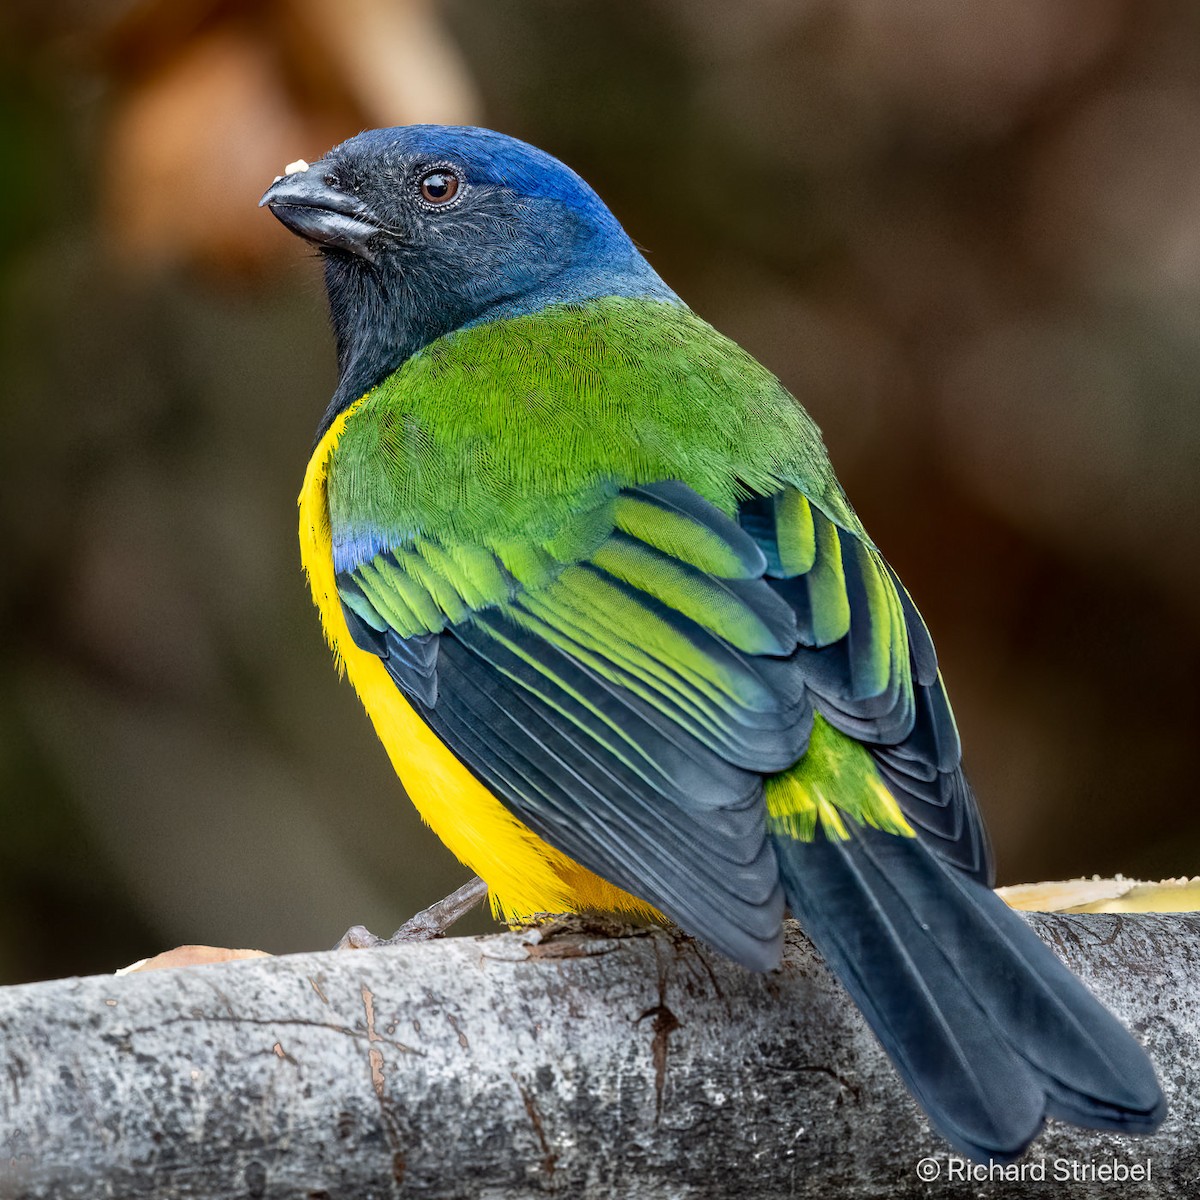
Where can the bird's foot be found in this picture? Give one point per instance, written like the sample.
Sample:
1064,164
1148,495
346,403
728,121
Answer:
431,922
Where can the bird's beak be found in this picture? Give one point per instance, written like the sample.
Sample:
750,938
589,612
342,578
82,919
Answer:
310,207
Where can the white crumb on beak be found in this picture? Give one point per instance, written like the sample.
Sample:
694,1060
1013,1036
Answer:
295,168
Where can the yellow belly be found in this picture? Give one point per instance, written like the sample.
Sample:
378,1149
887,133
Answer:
524,874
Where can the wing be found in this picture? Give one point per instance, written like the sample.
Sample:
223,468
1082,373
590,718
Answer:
623,686
620,687
870,666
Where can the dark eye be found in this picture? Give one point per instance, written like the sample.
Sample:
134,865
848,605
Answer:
439,187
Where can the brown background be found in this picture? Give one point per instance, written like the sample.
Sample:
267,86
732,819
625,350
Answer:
966,233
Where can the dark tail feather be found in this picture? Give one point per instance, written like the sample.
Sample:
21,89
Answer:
989,1030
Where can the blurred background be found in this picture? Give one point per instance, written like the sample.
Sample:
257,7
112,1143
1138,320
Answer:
966,233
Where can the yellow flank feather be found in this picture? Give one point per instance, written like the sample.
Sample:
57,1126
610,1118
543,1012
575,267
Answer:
834,780
524,874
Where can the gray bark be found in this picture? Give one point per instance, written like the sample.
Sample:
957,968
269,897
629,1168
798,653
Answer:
584,1065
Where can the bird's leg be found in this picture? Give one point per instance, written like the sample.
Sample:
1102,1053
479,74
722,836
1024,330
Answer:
430,923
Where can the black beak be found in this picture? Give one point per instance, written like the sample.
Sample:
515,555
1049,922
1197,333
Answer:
310,207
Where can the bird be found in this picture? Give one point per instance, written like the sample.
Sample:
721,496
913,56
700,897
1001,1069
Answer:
627,644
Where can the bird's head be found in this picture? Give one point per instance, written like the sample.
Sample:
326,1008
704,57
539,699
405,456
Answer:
426,228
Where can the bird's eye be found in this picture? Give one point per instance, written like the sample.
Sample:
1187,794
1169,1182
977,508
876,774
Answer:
439,187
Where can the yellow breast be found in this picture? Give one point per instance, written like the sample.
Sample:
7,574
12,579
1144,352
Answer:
524,875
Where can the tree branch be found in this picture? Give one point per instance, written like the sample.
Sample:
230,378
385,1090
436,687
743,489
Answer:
570,1063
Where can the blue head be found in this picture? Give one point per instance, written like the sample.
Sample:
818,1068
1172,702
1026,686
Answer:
427,228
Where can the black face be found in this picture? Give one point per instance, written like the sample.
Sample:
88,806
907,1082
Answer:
348,203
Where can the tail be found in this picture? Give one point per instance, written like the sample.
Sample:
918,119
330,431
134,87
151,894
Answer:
989,1030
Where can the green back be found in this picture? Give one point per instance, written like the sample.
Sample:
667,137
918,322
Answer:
511,427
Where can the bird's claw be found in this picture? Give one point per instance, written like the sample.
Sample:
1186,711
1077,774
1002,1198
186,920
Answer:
358,937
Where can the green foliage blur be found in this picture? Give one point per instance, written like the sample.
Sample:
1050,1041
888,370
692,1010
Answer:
966,235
